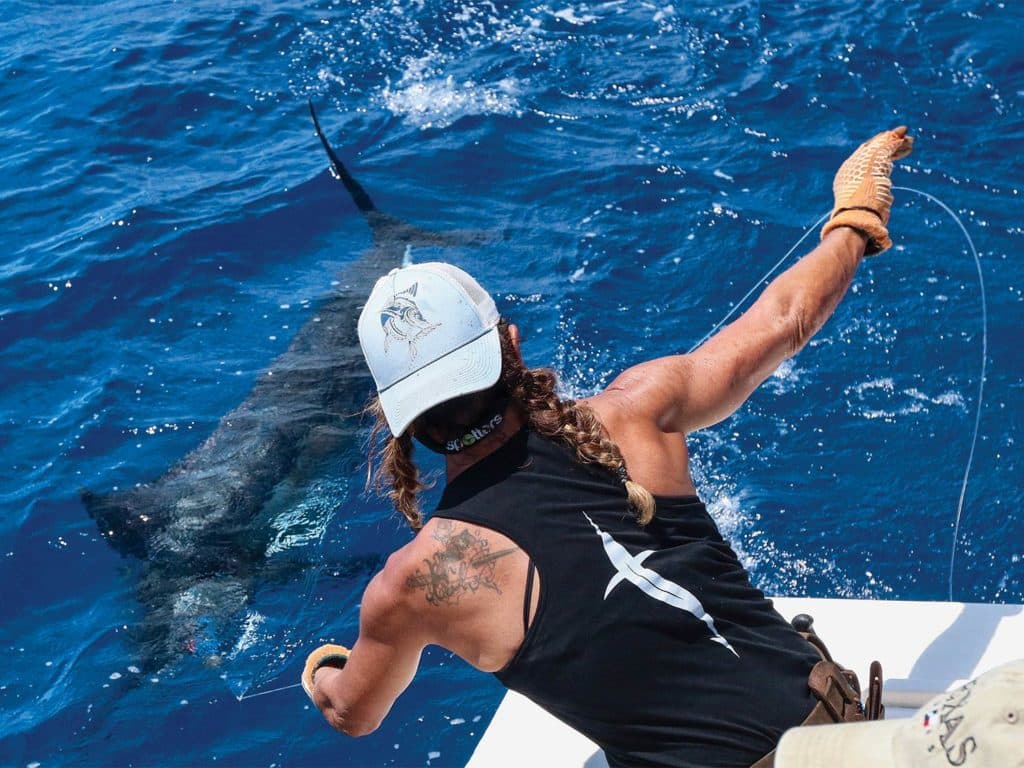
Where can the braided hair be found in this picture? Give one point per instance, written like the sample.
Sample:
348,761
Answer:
532,390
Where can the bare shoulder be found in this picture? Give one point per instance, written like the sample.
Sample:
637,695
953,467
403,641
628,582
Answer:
640,411
457,583
453,560
445,566
386,609
646,396
685,393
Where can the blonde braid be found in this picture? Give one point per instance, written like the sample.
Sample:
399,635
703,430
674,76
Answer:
574,424
396,471
533,391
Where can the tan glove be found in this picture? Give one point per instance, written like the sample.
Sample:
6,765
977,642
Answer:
863,189
324,656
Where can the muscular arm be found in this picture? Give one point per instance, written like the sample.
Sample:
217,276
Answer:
684,393
381,665
443,588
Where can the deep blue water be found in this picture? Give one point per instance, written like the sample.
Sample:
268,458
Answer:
169,223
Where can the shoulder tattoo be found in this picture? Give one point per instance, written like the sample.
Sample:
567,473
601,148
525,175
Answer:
463,563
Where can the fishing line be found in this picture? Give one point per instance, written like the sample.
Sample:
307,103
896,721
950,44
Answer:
984,349
981,378
760,282
264,693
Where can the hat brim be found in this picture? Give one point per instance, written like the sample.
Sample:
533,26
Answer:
470,368
843,745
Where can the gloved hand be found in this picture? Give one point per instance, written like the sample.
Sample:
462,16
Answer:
324,656
863,189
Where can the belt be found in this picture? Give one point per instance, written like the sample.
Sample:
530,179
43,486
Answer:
838,692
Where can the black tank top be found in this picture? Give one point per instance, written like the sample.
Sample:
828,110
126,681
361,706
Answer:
649,640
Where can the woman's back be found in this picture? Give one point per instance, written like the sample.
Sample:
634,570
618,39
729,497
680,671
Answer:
648,639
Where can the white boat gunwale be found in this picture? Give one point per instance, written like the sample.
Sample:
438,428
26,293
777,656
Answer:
924,647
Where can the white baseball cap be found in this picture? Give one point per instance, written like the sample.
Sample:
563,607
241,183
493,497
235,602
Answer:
977,725
429,334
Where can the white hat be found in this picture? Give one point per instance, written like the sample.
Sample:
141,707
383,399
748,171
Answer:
977,725
429,333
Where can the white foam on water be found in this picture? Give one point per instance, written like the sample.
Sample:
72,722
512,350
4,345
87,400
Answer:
431,79
727,513
437,102
785,378
326,76
772,569
954,399
885,384
664,13
304,522
250,632
570,15
894,403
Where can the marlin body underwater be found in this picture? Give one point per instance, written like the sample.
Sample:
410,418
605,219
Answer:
201,530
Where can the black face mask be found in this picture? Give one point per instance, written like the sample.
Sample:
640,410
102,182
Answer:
487,426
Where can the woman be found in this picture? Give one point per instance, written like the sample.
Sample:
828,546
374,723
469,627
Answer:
569,554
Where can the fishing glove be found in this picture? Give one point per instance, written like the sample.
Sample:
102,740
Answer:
863,189
324,656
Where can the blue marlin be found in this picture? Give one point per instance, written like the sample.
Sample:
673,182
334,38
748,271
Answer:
631,568
202,529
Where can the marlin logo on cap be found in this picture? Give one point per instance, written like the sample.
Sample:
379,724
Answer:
403,320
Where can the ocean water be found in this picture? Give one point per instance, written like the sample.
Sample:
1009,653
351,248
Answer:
170,224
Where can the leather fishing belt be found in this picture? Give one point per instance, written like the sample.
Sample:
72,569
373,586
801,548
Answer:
838,692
